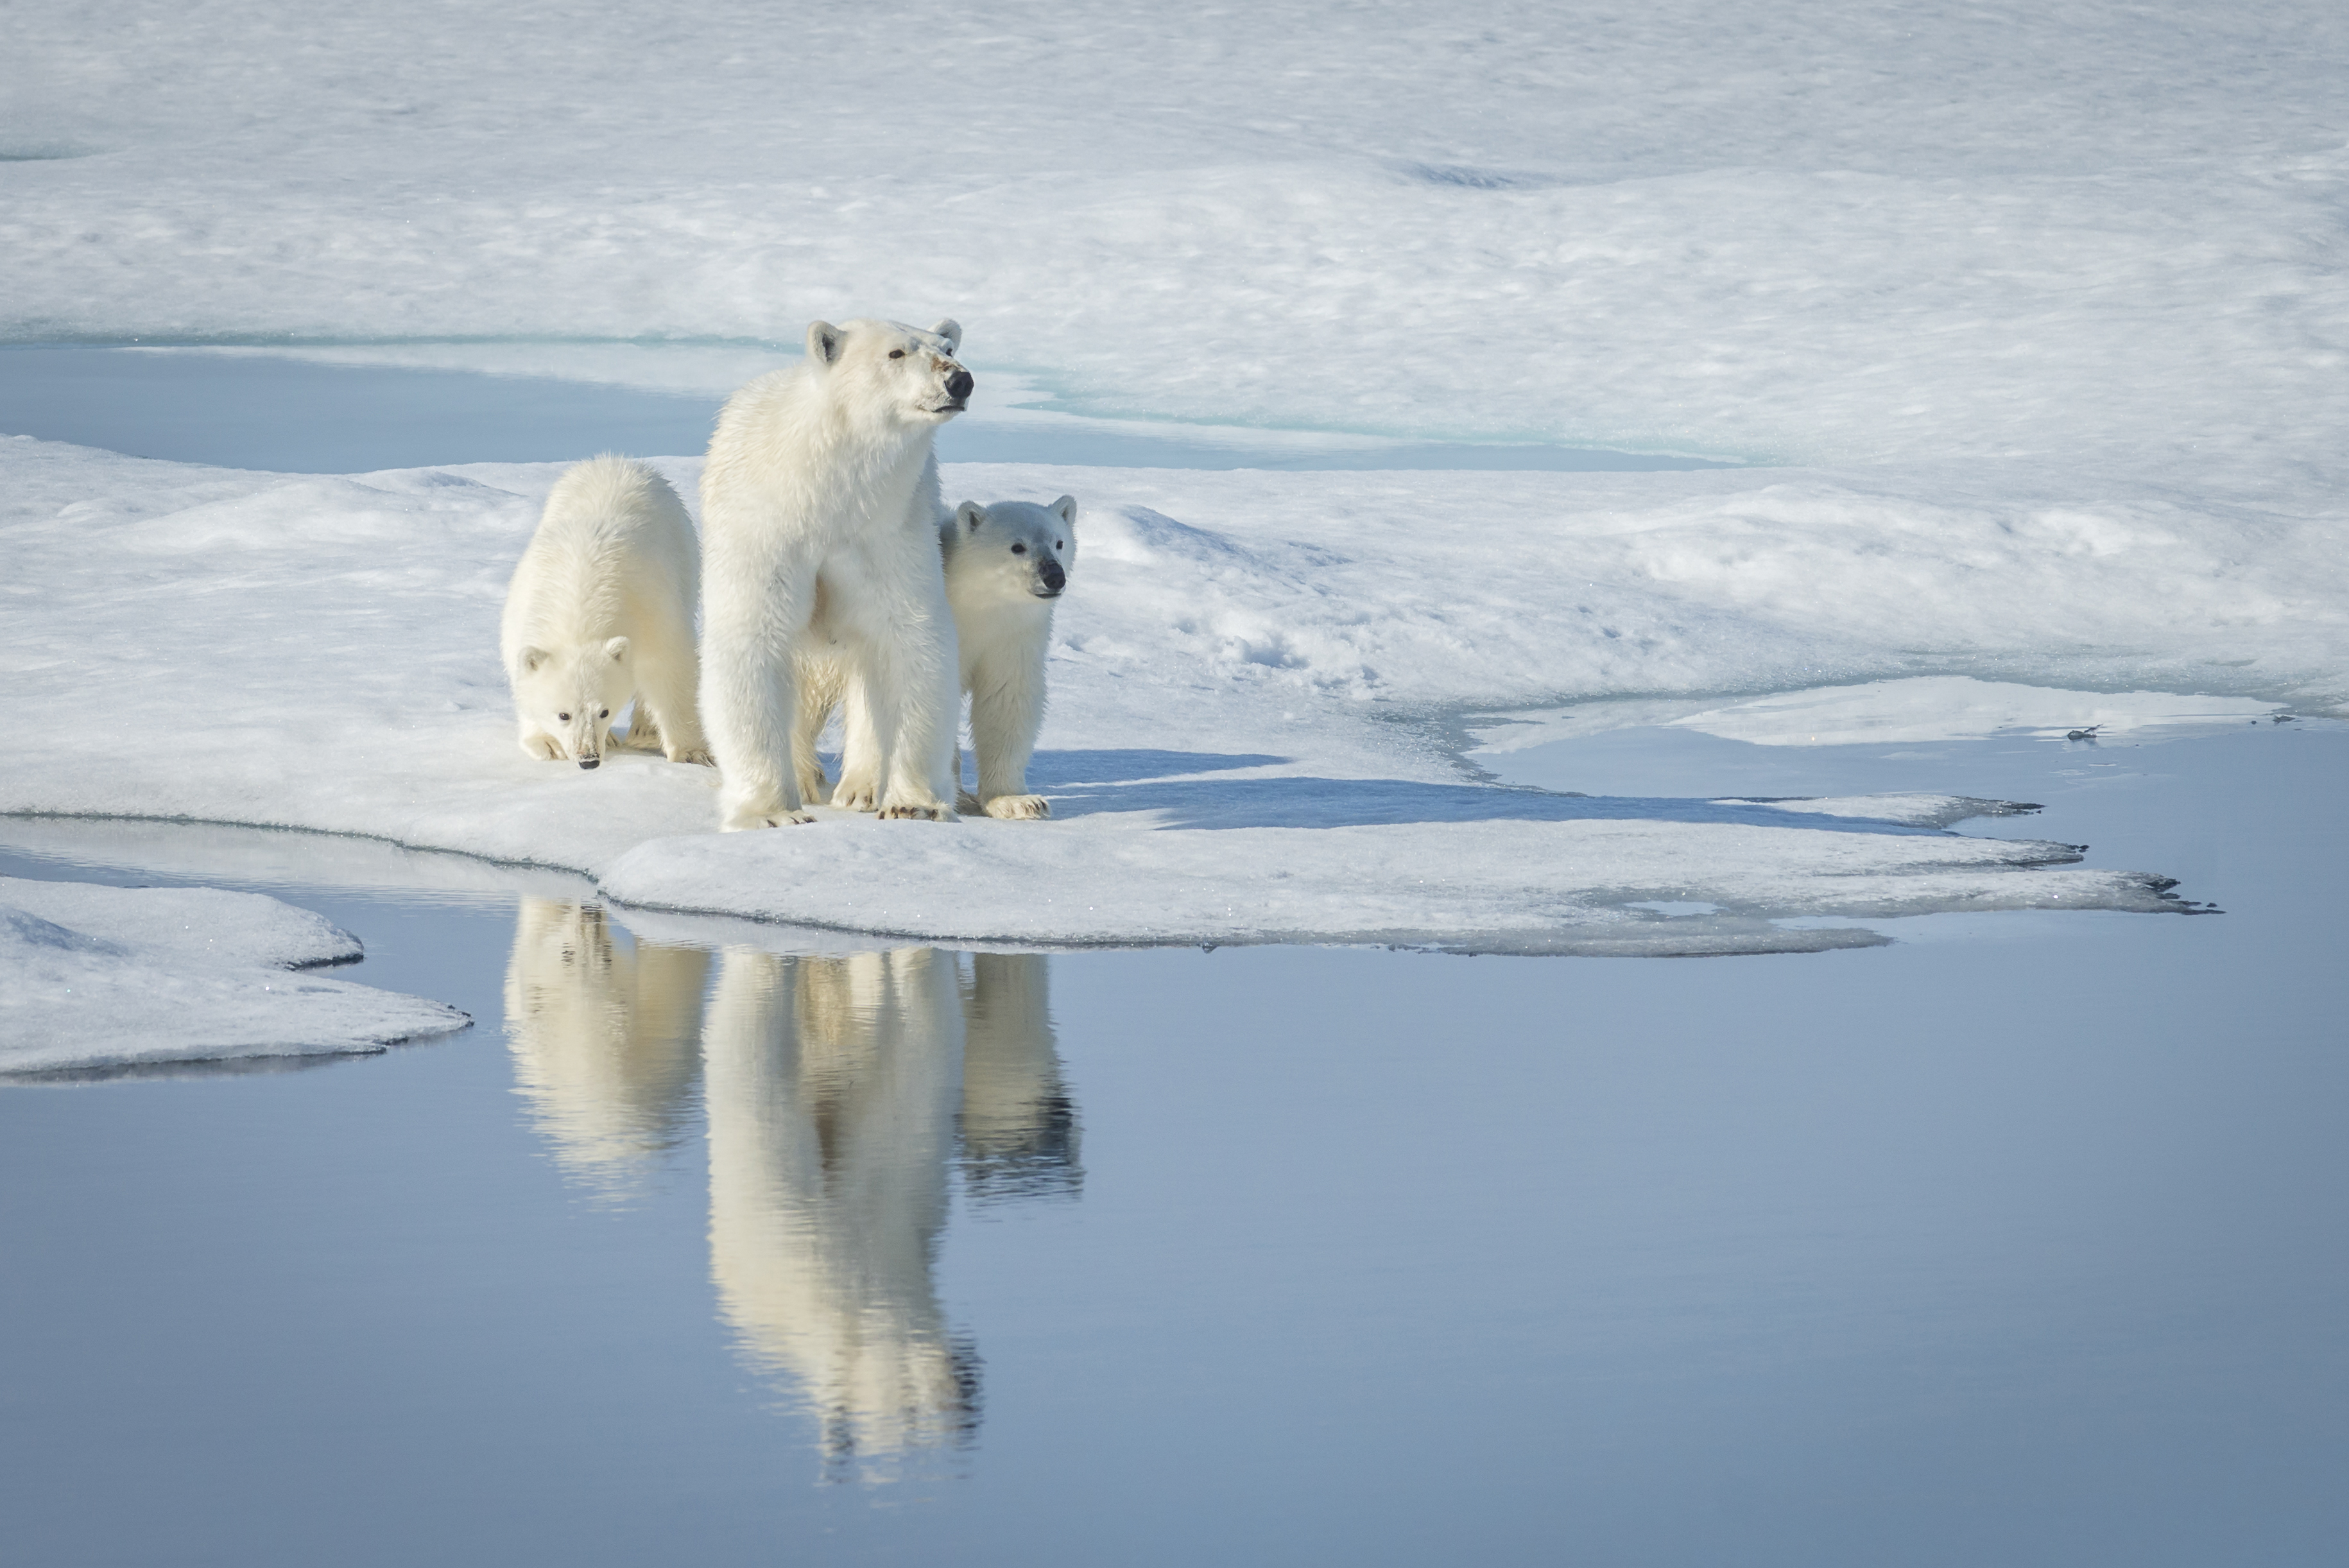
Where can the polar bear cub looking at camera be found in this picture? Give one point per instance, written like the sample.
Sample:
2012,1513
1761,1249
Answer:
1006,567
820,512
601,610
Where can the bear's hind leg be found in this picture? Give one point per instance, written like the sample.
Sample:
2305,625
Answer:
860,750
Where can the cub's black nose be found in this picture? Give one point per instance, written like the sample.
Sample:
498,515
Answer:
591,761
958,385
1055,579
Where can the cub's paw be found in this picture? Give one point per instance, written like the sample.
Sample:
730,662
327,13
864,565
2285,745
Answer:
1018,808
918,810
694,756
854,794
542,746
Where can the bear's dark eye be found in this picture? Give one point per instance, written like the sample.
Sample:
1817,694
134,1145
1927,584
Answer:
896,353
565,717
604,714
1019,549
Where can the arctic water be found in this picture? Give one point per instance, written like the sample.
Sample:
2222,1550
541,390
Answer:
2015,1241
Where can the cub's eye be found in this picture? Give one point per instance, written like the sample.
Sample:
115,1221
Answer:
604,714
1019,549
896,353
565,717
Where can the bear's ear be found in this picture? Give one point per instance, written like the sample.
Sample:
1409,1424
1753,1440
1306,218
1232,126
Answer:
823,340
616,649
951,330
1065,509
969,515
531,658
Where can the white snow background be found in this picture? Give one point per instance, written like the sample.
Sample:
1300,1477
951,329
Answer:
2038,314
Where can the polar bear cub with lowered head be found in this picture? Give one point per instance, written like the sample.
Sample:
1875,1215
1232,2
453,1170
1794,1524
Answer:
600,610
1006,567
820,510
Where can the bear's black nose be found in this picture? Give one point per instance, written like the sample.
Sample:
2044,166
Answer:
591,761
958,385
1055,579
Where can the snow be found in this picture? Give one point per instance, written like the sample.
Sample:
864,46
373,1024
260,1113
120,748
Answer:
1244,746
1805,233
105,978
2031,321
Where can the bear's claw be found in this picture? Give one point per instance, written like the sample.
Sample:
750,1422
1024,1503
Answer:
932,812
1018,808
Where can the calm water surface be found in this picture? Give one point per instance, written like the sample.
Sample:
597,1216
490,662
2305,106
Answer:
2020,1242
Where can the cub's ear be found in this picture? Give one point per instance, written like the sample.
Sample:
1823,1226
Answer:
531,658
969,515
951,330
823,340
1065,509
616,649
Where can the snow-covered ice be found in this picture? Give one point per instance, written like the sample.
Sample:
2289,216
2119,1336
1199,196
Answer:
1244,744
100,978
2030,323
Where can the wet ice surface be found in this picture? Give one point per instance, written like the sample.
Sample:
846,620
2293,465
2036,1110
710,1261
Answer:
730,1234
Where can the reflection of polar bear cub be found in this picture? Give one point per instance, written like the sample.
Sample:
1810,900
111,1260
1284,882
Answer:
601,609
1006,565
819,507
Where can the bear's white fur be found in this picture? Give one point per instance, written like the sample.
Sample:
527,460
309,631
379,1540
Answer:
819,508
601,609
1006,567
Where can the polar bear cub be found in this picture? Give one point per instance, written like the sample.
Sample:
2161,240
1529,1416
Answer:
819,518
1006,567
601,609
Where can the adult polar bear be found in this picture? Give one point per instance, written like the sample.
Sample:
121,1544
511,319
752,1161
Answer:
820,510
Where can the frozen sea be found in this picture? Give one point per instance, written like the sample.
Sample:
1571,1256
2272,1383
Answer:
2013,1241
1562,486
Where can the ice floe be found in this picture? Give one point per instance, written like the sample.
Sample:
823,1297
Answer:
103,978
1247,735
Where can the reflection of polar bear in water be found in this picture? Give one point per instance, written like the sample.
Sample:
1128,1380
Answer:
837,1089
1019,1124
603,1035
833,1088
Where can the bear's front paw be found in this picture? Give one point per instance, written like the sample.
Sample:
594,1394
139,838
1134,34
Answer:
749,820
542,746
855,794
694,756
1018,808
918,810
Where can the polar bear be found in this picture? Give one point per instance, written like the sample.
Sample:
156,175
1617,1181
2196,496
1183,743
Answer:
820,510
1006,567
601,609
